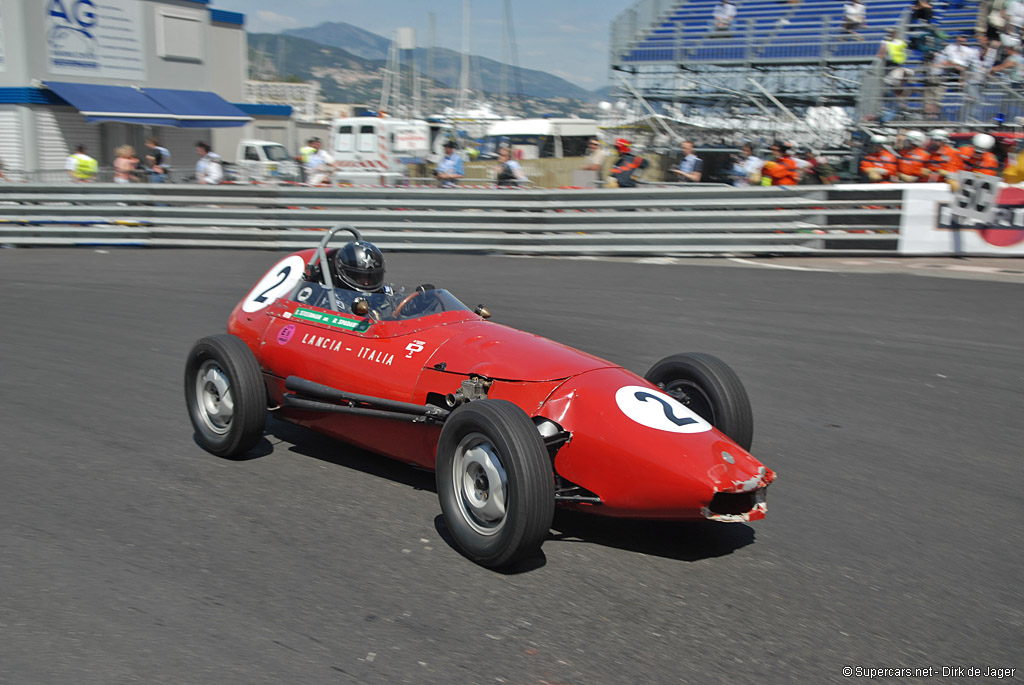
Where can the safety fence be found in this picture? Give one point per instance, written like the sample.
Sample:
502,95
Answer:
649,220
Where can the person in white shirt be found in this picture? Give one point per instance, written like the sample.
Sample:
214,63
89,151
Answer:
956,58
208,168
746,169
854,16
319,165
725,12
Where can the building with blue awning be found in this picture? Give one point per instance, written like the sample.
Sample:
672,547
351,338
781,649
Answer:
80,72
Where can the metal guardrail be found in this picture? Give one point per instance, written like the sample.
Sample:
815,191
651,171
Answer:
649,220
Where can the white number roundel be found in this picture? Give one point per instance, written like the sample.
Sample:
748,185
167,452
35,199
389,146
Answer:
284,276
655,409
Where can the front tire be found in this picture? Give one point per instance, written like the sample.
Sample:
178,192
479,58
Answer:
225,395
710,388
494,482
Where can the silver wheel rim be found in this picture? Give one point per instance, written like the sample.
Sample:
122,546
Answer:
213,395
481,485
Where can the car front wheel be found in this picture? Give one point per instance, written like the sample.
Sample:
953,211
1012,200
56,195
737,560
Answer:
711,389
225,395
494,482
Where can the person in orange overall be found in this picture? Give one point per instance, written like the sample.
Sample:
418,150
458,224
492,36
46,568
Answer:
945,159
781,170
913,161
879,164
978,157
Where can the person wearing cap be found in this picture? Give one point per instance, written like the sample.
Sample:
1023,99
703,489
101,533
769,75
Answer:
945,161
978,157
913,161
626,165
451,168
879,164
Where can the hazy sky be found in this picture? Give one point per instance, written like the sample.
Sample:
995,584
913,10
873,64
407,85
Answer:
568,38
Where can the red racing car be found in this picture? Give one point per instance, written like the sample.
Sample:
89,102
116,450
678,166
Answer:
512,423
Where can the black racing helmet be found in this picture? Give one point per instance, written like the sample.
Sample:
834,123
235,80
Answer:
360,266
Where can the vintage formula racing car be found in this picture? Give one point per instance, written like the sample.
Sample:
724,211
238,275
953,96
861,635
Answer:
512,424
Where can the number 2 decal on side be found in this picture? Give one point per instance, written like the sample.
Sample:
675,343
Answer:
284,276
657,410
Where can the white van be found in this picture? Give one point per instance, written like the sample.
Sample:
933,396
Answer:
264,161
543,138
377,150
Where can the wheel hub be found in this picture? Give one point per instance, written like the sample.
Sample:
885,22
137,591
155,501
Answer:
480,483
213,393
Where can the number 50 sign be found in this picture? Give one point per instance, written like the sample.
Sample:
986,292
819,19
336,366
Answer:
975,197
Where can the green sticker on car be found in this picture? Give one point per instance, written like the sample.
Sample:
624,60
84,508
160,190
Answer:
331,319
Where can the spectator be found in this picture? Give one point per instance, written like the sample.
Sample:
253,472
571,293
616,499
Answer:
898,81
208,168
781,169
319,166
977,72
158,161
626,165
509,171
595,157
933,88
451,168
125,164
1013,66
854,17
3,177
81,167
878,164
691,167
725,12
956,58
893,49
816,169
921,11
746,169
913,162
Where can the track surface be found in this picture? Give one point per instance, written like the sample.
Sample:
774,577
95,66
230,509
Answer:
889,404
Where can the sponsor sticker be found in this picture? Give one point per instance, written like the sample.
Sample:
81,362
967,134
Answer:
285,334
659,411
331,319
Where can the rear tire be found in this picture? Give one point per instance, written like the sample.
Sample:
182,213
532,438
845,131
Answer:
494,482
225,395
709,387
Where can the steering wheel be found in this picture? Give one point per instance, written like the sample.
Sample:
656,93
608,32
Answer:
408,298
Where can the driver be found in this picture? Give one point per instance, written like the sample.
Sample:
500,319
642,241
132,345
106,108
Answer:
359,266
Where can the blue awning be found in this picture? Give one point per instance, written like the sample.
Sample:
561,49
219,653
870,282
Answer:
149,106
112,103
198,109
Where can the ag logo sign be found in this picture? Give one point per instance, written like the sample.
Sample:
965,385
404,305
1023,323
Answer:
659,411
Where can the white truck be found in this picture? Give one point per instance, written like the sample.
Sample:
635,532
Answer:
543,138
378,150
262,161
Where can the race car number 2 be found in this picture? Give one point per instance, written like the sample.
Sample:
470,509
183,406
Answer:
284,276
654,409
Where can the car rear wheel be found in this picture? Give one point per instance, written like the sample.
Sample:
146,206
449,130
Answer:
225,395
711,389
494,482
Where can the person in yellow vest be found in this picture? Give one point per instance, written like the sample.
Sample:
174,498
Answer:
893,49
81,167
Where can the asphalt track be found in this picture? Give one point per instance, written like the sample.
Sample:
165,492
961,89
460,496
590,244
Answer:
889,403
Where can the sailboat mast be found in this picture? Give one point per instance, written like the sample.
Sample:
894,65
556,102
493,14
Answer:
463,102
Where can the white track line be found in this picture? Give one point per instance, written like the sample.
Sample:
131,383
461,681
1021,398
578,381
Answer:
739,260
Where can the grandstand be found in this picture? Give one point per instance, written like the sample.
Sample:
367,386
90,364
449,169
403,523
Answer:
782,56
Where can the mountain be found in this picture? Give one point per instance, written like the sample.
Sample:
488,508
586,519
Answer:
486,74
346,77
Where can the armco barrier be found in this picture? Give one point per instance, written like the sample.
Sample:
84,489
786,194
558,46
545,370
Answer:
649,220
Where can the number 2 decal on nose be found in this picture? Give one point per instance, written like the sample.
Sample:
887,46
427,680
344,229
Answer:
657,410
